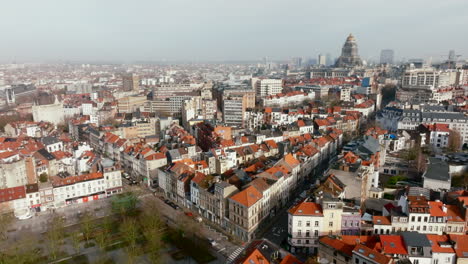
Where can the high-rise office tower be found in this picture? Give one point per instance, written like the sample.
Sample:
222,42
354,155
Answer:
322,60
386,56
451,56
349,54
130,82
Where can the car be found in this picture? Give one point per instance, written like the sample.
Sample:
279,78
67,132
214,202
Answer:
212,242
189,214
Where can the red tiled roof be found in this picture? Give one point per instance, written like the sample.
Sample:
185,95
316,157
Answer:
58,181
436,209
381,220
393,244
248,196
10,194
461,245
290,259
306,208
338,245
372,254
435,243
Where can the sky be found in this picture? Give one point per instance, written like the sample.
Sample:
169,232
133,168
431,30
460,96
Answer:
216,30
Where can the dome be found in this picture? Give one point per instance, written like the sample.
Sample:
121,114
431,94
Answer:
350,38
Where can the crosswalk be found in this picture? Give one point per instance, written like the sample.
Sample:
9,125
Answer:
234,254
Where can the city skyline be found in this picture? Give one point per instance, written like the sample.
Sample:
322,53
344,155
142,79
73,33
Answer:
213,31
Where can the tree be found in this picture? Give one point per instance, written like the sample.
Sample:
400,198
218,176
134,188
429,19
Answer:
76,240
43,177
102,238
152,228
22,251
5,222
87,225
129,232
55,235
454,141
125,203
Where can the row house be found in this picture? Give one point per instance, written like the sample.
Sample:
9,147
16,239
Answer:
408,247
305,225
78,189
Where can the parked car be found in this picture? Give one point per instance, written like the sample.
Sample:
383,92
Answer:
212,242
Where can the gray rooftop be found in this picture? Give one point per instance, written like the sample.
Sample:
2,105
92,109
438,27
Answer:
415,239
437,170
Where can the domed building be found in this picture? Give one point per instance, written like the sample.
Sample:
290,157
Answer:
349,54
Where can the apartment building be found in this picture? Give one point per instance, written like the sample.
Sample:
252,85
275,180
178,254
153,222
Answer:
305,225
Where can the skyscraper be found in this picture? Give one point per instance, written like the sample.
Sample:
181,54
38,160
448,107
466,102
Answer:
386,56
349,54
130,82
451,56
322,60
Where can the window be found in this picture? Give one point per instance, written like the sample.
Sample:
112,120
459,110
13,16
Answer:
356,261
345,223
299,232
298,241
299,223
330,224
419,219
307,241
308,223
307,233
316,233
316,223
412,219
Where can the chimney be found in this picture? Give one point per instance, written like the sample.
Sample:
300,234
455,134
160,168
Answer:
444,208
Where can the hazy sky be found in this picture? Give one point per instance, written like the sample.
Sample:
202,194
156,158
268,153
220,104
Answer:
38,30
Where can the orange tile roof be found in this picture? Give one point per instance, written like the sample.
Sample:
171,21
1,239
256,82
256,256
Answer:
461,246
435,239
393,244
381,220
453,214
372,254
338,245
271,143
58,181
436,209
256,257
248,196
306,208
290,160
198,177
290,259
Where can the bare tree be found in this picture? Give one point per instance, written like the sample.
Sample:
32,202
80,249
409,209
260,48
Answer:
5,222
152,229
87,225
55,236
454,141
75,238
101,238
129,232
